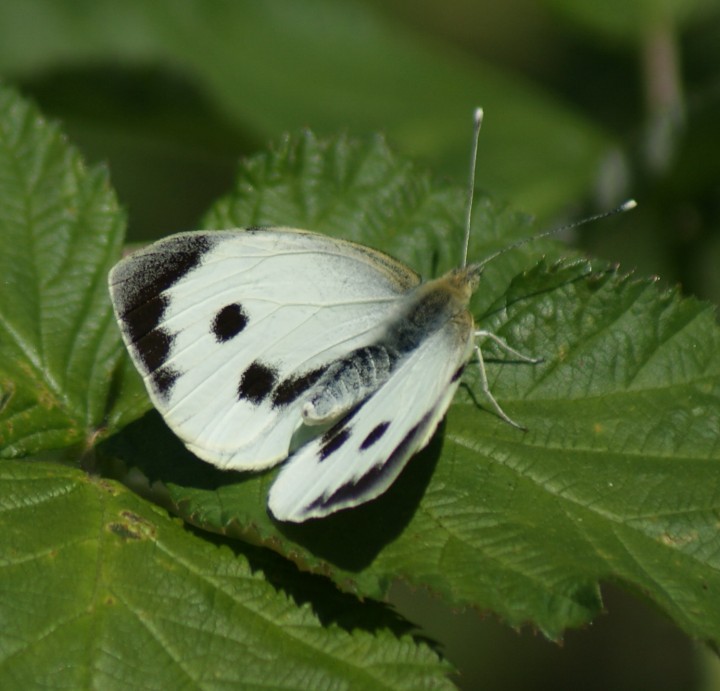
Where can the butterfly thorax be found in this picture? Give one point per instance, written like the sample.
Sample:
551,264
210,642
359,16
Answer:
437,304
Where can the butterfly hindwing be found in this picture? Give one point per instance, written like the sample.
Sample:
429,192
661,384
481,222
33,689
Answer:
360,456
230,328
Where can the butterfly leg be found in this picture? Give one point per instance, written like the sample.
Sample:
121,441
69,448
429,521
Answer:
483,375
507,348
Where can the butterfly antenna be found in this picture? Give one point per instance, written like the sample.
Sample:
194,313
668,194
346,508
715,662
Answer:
625,206
477,118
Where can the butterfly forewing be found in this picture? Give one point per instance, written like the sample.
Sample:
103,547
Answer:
230,328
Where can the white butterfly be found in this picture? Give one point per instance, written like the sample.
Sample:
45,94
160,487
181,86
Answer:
260,344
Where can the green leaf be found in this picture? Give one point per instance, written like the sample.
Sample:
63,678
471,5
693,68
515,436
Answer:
60,231
616,477
271,67
100,589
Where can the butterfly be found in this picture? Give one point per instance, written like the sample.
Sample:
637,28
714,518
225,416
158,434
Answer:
265,344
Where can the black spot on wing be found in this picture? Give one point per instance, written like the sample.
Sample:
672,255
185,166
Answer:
338,434
334,439
229,322
140,279
365,486
257,382
458,373
374,436
291,388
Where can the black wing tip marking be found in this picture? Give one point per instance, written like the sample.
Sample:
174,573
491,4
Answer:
257,382
229,322
153,349
141,277
137,286
163,380
145,318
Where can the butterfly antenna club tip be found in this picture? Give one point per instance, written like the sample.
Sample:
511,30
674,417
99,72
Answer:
627,205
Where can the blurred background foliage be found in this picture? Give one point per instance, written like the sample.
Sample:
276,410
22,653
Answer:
586,104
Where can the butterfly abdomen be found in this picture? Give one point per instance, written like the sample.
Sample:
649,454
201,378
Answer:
352,379
349,381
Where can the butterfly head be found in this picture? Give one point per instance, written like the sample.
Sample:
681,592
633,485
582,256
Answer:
465,280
